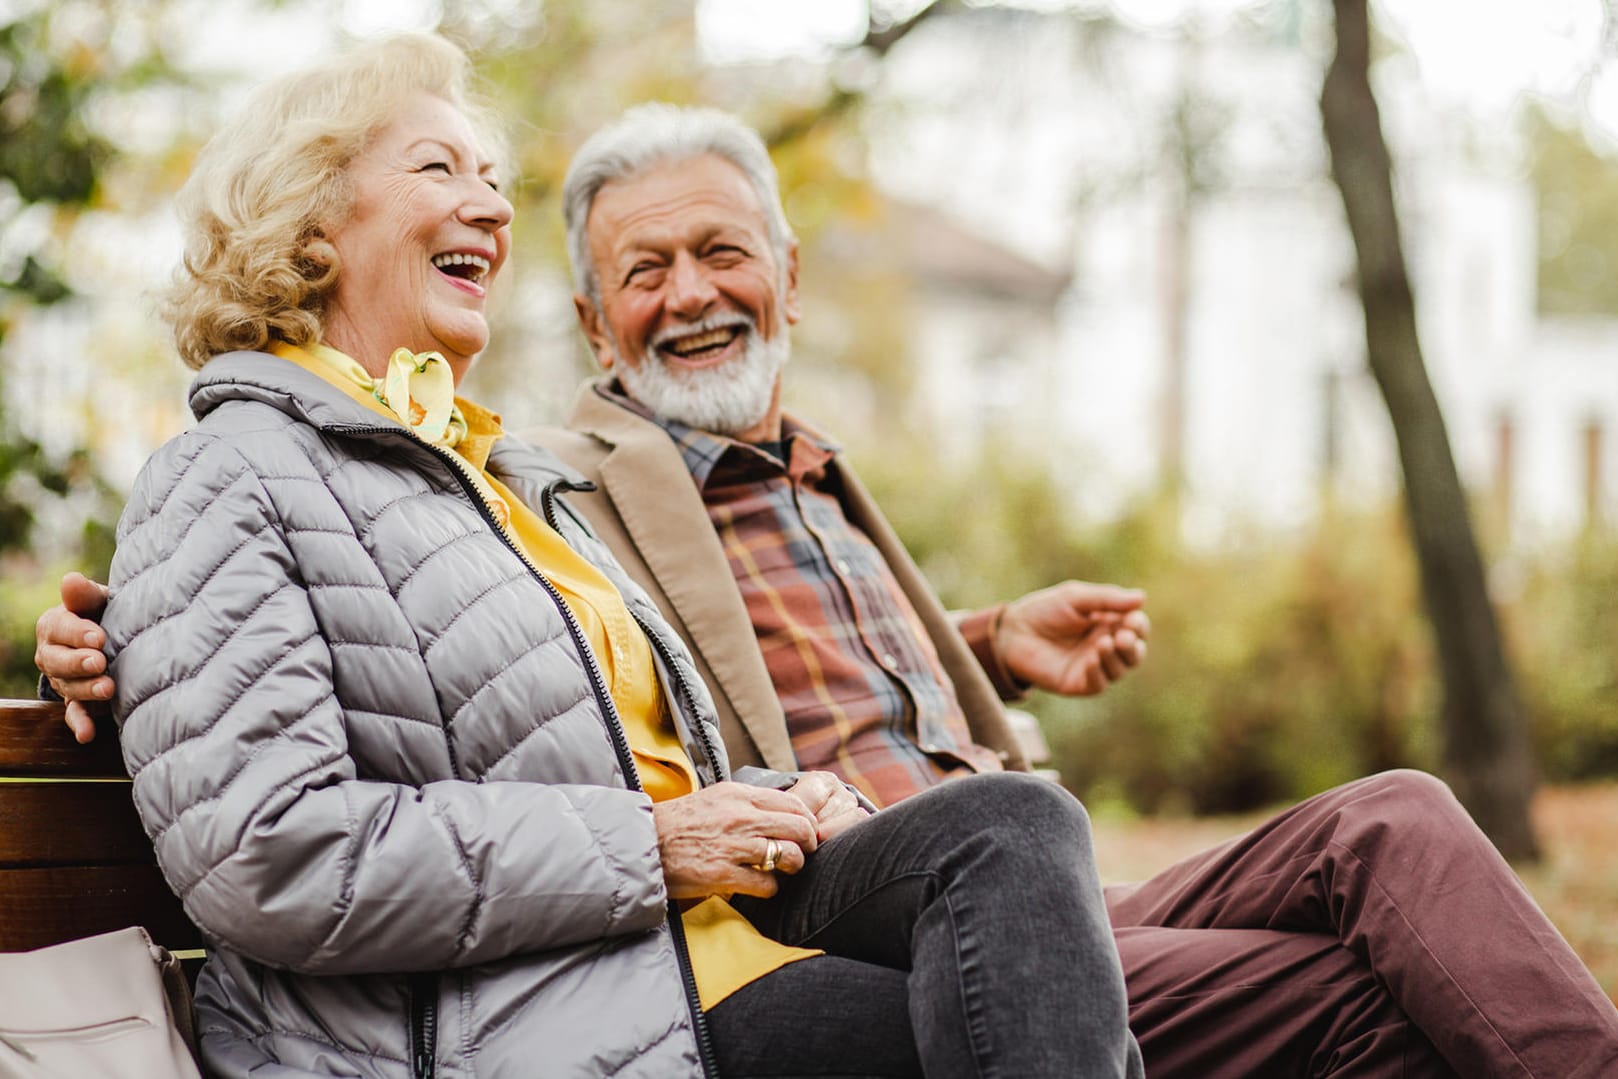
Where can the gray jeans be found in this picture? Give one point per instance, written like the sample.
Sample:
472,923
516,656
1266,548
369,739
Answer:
970,937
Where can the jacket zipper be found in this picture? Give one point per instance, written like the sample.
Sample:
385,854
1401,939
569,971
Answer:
699,1018
677,927
424,1016
688,979
423,1024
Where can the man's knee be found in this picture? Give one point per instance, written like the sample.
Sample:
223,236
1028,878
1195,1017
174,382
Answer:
1413,791
1406,805
1017,808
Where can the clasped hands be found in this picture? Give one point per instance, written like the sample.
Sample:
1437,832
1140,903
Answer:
715,840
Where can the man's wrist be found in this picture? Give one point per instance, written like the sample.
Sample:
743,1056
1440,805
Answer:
982,632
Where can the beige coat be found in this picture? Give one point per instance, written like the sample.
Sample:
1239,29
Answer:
649,512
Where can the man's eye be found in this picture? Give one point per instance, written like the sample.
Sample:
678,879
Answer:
441,166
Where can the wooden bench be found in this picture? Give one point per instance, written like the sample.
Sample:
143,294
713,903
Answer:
74,860
1032,740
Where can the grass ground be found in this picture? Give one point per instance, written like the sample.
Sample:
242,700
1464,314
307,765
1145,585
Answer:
1576,883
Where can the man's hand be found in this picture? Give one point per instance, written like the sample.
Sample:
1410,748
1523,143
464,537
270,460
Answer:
712,840
1074,638
67,650
834,806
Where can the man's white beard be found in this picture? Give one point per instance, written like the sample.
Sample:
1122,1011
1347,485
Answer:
724,400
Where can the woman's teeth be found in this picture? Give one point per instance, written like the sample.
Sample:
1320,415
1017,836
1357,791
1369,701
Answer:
456,264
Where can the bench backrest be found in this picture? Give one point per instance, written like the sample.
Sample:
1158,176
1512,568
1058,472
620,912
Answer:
74,859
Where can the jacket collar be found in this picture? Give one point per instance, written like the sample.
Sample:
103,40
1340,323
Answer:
305,396
270,380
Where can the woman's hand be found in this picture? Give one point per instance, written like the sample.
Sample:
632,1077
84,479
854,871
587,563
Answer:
829,799
713,840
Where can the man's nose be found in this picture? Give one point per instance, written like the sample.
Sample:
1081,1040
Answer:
691,292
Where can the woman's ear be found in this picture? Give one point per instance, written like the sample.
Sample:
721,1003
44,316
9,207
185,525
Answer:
319,250
318,260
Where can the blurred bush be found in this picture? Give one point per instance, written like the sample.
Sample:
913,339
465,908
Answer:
1278,667
1280,663
28,585
21,600
1563,622
55,515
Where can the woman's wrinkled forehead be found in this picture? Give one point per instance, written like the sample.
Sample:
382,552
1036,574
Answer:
410,120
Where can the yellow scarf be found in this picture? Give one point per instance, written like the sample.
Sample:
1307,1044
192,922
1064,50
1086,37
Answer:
419,392
418,388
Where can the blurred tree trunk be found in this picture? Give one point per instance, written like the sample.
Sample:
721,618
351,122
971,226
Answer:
1175,285
1190,140
1485,745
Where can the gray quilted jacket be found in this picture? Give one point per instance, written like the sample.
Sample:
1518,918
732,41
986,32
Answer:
377,761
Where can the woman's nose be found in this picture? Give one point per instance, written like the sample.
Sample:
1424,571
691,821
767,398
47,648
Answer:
487,207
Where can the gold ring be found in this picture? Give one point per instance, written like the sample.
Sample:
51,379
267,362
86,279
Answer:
772,855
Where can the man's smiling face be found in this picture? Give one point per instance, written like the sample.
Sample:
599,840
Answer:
695,300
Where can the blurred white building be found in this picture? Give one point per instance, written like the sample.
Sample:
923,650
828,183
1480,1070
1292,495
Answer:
1064,138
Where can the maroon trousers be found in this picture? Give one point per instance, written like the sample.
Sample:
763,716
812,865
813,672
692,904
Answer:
1369,931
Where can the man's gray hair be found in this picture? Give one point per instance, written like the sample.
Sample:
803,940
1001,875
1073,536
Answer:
660,134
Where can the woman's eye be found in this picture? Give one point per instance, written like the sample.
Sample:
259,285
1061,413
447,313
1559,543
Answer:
441,166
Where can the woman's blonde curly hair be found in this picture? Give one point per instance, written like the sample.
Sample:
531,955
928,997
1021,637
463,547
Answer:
269,184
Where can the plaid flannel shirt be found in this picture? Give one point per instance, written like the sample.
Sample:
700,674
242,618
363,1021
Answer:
859,680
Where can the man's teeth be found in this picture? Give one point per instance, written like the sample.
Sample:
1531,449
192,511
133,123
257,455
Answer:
477,264
685,346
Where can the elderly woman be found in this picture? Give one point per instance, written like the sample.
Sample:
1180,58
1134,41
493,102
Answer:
430,771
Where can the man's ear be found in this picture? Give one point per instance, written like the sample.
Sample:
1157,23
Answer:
594,330
789,301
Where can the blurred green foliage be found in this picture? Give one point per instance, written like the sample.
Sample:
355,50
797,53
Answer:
21,600
49,158
47,153
1279,664
1564,625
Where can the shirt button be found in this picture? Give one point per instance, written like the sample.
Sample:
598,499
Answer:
890,661
842,566
931,747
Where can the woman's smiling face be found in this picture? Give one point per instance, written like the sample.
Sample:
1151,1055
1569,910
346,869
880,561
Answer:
427,235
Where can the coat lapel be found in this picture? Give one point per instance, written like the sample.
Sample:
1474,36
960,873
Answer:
647,482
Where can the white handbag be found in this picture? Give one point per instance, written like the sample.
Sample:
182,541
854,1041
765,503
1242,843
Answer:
114,1006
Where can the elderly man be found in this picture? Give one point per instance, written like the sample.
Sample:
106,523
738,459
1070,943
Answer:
1371,930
